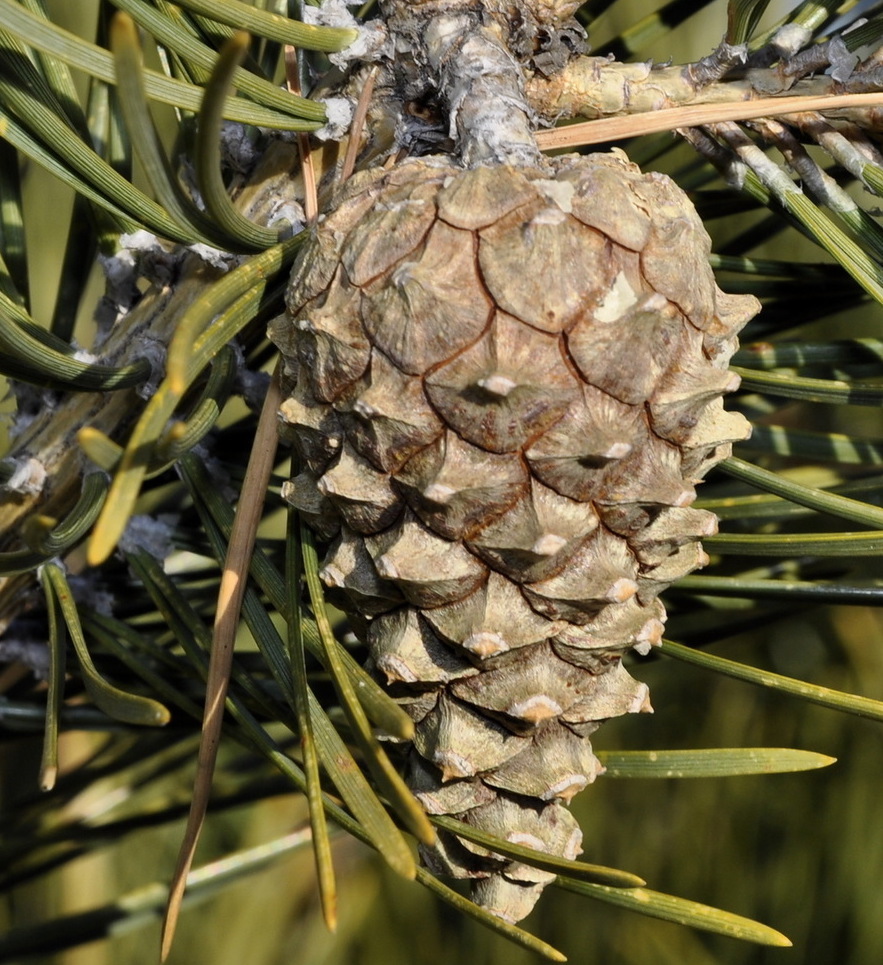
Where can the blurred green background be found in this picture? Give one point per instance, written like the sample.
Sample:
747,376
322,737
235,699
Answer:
801,852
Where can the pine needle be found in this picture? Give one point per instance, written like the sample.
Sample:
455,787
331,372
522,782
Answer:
232,589
695,115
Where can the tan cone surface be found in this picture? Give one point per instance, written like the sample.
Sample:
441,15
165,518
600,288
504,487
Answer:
505,385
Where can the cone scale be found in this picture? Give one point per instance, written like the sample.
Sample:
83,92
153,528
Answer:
505,383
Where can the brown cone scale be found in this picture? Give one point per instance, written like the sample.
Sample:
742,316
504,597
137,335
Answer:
505,384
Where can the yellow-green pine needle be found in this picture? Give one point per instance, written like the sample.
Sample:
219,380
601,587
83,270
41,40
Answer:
55,690
546,862
825,502
680,910
300,685
387,777
116,703
463,905
271,25
834,699
207,158
710,762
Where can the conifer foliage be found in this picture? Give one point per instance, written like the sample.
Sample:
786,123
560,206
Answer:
451,256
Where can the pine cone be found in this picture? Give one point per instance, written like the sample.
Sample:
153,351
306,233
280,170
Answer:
506,383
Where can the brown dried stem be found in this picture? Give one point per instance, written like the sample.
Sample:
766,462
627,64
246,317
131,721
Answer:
697,115
234,578
593,87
